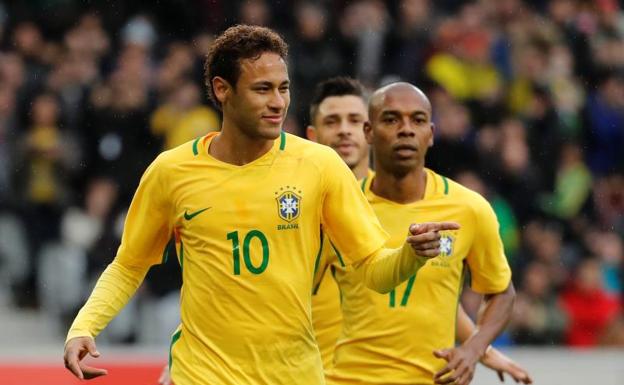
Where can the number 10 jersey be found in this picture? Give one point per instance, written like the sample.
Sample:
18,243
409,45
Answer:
248,240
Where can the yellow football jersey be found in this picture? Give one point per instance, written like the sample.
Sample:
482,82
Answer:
389,339
326,313
248,241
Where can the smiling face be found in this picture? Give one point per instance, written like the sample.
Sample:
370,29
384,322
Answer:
400,129
258,102
339,124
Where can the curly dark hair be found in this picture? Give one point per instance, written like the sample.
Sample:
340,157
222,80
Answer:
236,43
337,86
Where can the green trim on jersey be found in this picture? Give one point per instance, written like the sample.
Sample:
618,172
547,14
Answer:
318,256
165,256
195,151
337,254
364,184
446,185
174,339
318,285
181,255
282,141
332,269
460,290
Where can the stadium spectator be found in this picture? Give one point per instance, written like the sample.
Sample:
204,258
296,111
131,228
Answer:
183,118
317,57
538,319
589,308
572,185
407,42
605,119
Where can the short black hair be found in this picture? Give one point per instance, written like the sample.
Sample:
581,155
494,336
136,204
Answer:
337,86
236,43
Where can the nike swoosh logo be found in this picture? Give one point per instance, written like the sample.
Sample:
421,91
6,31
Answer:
190,216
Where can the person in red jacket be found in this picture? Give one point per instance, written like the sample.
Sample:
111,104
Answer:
590,309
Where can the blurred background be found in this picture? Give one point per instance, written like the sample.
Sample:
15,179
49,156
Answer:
528,100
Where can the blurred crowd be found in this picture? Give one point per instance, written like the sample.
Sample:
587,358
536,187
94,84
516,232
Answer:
528,101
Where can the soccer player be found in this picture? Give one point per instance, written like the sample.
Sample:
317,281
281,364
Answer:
337,115
246,206
375,343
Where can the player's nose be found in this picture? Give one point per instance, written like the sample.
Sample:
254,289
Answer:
277,100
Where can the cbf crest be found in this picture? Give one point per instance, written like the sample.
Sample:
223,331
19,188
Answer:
288,203
446,245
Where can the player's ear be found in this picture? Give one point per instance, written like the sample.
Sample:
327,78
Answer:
311,133
432,135
221,88
368,132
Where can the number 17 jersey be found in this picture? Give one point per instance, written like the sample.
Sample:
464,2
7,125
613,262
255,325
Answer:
248,239
389,339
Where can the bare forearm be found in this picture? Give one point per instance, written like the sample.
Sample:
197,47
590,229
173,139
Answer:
111,293
492,319
465,326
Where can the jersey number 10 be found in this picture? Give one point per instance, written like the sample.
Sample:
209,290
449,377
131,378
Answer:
233,236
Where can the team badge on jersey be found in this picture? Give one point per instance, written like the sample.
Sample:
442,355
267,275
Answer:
446,245
288,204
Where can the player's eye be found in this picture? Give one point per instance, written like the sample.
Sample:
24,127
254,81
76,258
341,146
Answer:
389,120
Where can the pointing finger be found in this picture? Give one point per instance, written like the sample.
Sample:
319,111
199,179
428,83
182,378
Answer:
420,228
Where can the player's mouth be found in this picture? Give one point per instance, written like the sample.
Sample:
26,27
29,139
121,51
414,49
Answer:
274,119
344,147
405,150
